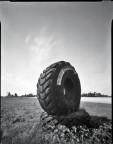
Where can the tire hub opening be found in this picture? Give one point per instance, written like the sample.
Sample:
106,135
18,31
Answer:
69,89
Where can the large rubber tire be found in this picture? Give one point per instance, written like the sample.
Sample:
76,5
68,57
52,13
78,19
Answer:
79,118
58,89
47,121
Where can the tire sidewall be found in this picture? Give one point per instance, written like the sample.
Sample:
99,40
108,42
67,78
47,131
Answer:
64,106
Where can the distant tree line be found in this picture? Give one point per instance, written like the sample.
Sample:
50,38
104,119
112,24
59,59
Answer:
90,94
28,95
9,95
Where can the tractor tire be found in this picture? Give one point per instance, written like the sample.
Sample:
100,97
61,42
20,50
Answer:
48,122
79,118
59,89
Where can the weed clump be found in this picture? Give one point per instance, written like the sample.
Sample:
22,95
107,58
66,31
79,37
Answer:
80,135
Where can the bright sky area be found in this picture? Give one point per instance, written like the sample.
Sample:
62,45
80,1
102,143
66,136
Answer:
35,35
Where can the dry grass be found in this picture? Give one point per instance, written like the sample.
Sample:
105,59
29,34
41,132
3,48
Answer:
20,124
98,109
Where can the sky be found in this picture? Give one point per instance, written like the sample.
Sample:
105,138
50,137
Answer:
37,34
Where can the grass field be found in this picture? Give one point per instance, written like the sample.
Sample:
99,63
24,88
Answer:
20,119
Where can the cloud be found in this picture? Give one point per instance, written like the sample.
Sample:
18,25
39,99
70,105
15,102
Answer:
27,38
41,49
